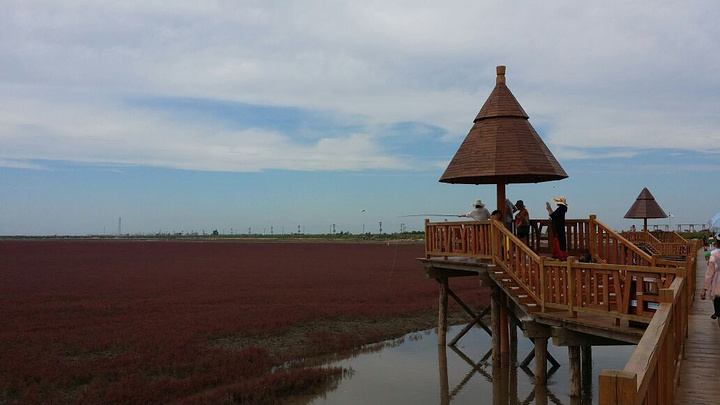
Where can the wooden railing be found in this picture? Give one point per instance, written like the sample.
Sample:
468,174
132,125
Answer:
620,292
624,284
576,232
650,376
611,247
667,244
462,238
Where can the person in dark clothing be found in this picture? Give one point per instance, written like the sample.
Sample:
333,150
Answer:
558,226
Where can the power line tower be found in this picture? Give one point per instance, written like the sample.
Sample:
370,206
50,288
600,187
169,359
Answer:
381,227
119,226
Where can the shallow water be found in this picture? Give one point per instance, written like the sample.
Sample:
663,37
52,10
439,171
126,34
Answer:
414,370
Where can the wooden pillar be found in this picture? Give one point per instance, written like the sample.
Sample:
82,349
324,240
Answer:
495,317
512,325
586,364
504,336
574,360
497,385
541,395
512,383
501,200
442,311
443,371
541,361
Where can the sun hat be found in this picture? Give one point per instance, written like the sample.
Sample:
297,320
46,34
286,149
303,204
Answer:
560,201
478,202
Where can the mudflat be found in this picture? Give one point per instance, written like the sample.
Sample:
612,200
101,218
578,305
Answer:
165,321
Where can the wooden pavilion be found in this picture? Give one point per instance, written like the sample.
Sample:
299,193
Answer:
612,300
645,207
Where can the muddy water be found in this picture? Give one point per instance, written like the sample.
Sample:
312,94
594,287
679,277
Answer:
413,370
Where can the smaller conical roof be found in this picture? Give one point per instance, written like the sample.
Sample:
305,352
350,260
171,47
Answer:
645,207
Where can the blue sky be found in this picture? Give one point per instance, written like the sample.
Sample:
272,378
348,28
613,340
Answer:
192,116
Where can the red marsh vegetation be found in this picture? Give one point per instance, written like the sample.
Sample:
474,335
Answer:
88,322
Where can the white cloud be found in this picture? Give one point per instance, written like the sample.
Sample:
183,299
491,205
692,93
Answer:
640,75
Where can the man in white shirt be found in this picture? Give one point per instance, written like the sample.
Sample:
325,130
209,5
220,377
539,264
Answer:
480,213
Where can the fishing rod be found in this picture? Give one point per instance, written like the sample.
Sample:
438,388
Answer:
429,215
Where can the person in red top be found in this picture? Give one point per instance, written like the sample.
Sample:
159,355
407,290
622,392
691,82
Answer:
558,227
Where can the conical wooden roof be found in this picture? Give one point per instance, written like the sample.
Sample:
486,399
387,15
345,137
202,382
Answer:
502,147
645,206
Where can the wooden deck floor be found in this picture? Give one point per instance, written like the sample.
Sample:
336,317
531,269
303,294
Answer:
700,370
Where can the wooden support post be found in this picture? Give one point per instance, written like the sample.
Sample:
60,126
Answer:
541,395
442,311
504,338
495,326
541,361
443,373
586,364
497,385
512,325
574,360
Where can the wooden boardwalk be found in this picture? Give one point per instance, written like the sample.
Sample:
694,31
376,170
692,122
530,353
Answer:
700,370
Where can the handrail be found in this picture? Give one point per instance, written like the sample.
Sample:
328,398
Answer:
518,260
614,248
650,374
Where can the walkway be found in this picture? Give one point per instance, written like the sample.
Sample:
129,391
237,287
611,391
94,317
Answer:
699,370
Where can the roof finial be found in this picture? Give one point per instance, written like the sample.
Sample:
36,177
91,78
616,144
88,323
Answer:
500,75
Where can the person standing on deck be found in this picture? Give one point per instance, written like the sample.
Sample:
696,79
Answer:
712,281
558,227
480,213
510,209
522,222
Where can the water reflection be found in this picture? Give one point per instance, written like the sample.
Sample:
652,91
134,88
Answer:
414,370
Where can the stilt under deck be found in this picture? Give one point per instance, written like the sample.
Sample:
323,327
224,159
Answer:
698,382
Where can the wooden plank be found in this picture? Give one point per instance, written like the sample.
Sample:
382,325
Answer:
698,371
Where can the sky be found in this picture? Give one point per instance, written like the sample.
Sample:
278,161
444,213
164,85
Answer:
269,117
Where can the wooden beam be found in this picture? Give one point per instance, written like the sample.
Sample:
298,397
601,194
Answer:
528,358
566,337
631,337
477,320
533,330
436,272
470,311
